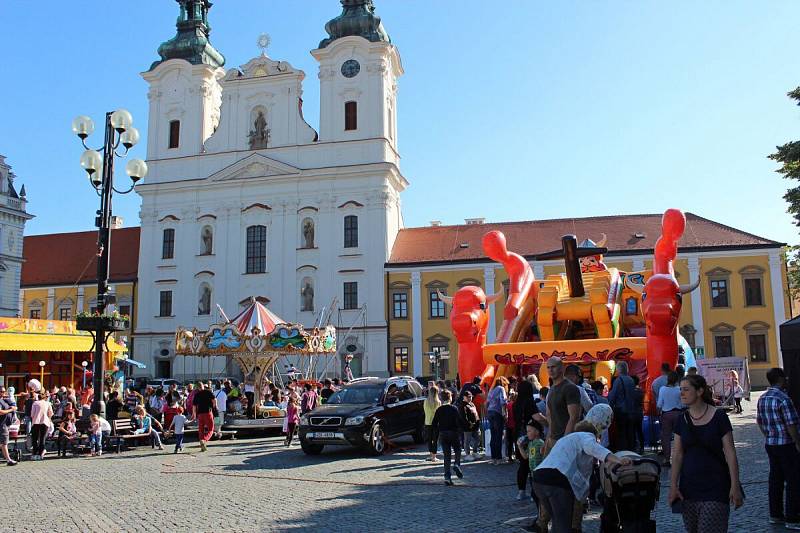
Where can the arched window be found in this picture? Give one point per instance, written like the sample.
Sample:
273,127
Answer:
168,244
256,250
350,116
207,240
351,231
174,133
204,300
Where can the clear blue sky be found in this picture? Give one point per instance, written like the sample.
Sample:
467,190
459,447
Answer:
510,110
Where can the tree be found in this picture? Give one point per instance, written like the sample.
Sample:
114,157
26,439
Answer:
788,156
791,257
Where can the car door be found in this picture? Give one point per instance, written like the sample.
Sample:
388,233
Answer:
393,409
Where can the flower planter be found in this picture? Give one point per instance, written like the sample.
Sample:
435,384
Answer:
104,323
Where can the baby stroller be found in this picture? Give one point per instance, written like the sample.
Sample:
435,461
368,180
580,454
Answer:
630,494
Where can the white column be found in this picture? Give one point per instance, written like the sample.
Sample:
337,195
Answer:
776,283
697,303
416,321
51,303
488,283
638,265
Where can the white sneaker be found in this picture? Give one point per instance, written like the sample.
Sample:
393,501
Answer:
520,495
467,459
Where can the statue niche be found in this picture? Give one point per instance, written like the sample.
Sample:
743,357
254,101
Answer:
260,135
308,233
307,295
204,304
207,241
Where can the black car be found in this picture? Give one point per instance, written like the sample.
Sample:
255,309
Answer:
366,413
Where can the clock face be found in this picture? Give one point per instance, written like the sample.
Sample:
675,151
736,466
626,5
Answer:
351,68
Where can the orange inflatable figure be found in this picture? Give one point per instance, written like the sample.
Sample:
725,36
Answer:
520,274
470,321
662,297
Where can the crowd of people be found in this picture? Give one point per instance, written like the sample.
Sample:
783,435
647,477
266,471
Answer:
559,434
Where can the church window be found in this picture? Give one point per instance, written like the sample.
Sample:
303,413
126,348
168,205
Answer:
350,116
256,250
204,300
174,133
206,241
351,231
165,304
350,295
168,244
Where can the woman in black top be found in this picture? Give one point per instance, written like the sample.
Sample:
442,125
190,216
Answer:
447,422
705,470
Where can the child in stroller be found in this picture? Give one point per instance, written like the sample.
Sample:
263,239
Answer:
630,494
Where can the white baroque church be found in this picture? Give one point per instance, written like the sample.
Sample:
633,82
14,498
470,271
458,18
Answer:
245,199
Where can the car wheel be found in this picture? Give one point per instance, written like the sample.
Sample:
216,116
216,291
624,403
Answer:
311,449
419,435
377,440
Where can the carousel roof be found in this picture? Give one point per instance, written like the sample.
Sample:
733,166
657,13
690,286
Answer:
256,316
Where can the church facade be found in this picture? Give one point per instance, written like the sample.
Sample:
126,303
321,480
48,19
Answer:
245,199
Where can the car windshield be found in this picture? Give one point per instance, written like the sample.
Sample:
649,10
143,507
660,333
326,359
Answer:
356,395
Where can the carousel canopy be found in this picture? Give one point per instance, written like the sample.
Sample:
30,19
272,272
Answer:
256,331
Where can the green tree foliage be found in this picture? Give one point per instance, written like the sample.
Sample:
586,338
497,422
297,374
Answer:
788,156
791,257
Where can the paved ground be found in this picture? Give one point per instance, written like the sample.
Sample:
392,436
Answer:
258,485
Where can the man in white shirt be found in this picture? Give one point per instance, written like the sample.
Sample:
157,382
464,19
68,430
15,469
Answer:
222,402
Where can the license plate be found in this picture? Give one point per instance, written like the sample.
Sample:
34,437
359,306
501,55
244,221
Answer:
325,435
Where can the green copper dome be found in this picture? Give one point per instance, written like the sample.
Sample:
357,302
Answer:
191,42
358,18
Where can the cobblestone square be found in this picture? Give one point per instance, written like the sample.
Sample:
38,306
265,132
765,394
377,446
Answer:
259,485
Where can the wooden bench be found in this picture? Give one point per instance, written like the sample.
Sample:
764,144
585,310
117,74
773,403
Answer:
122,431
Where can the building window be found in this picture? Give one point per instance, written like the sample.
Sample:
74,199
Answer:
125,310
719,293
752,292
165,304
168,244
401,360
256,250
437,305
351,231
65,313
36,313
350,295
758,347
350,116
723,346
400,305
174,133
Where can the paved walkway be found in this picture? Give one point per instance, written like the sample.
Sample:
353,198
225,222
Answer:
259,485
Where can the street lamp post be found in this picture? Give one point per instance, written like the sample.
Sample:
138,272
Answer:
435,359
41,373
84,365
119,130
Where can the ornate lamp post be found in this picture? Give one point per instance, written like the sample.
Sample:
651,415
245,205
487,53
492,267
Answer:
41,373
99,166
84,365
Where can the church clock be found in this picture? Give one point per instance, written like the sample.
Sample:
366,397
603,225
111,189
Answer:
351,68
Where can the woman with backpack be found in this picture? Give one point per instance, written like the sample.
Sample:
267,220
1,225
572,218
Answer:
705,469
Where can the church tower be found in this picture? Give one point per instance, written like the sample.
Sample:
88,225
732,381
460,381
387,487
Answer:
359,68
185,94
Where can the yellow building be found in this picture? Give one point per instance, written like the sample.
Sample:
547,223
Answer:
736,310
59,276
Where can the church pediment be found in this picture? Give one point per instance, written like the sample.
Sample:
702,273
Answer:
254,166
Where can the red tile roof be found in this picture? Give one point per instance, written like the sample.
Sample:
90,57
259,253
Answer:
462,243
68,258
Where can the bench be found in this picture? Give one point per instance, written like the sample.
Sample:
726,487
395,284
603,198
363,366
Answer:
122,432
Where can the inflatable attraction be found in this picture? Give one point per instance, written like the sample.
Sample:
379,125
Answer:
590,315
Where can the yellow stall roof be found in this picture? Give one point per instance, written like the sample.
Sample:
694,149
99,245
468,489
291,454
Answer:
52,342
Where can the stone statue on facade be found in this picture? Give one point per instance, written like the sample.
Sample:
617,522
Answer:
307,292
308,234
259,136
204,305
208,241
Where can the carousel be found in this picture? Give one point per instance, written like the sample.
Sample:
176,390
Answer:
260,342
